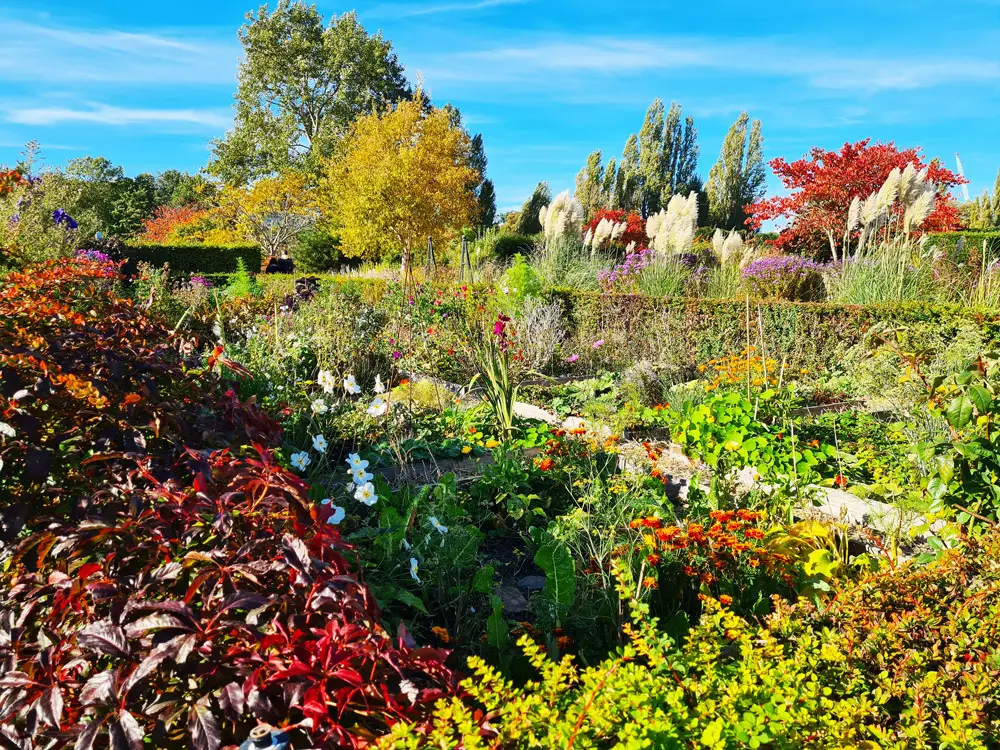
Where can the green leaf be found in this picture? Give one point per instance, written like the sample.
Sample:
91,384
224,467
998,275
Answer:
497,634
407,597
560,573
959,412
981,398
482,582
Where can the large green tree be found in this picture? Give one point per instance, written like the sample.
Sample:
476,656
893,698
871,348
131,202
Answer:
300,86
738,178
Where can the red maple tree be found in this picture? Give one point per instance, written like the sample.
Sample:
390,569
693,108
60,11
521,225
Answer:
166,219
823,183
635,226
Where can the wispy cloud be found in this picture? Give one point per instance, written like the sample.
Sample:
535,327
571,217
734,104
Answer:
33,52
103,114
426,9
829,69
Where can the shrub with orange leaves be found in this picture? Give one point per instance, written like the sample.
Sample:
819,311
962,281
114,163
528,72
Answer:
88,384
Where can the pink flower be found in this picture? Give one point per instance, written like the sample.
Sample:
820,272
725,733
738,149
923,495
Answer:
598,344
572,358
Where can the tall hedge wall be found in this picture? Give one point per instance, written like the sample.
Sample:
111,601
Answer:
202,259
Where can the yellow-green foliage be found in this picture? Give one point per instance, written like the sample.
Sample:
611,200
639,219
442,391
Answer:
907,659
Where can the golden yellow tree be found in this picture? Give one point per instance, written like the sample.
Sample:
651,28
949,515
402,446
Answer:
271,212
398,178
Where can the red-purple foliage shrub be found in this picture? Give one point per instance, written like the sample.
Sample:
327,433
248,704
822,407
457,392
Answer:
189,594
88,382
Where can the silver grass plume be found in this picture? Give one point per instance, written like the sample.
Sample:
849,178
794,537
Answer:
732,249
854,214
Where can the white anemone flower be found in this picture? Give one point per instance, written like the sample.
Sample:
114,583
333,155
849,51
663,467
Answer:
327,381
366,494
356,462
378,407
319,406
414,569
360,476
379,387
300,461
351,385
438,525
319,444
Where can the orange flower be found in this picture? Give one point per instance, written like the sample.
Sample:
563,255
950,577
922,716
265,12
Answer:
578,431
404,381
840,481
725,600
441,633
132,398
649,582
653,559
546,464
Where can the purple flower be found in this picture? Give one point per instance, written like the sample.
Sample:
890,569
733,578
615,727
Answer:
59,216
397,354
93,255
201,281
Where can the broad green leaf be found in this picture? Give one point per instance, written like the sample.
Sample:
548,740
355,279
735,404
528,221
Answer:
482,582
981,398
497,634
560,573
959,412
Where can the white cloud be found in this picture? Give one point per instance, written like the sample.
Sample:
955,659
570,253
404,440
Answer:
548,63
34,52
443,7
103,114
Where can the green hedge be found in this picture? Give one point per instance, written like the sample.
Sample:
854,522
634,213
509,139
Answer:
690,331
199,259
948,242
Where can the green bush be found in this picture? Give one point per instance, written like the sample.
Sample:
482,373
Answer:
193,258
316,252
902,659
502,246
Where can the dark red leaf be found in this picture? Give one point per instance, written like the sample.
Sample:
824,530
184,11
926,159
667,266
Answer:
232,700
104,638
202,727
50,706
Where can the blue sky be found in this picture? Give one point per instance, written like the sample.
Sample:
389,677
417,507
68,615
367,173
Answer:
148,84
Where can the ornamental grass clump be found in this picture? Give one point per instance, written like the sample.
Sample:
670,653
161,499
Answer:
788,277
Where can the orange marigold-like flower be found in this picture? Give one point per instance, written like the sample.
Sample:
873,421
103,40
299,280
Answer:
441,633
721,516
725,600
753,534
649,582
546,464
653,559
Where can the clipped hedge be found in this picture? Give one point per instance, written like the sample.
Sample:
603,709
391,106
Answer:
200,259
694,330
688,331
948,242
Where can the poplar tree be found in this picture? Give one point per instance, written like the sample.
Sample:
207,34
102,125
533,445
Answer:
590,184
651,161
610,181
627,182
738,177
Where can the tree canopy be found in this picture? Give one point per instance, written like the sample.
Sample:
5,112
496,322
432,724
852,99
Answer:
400,177
300,87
